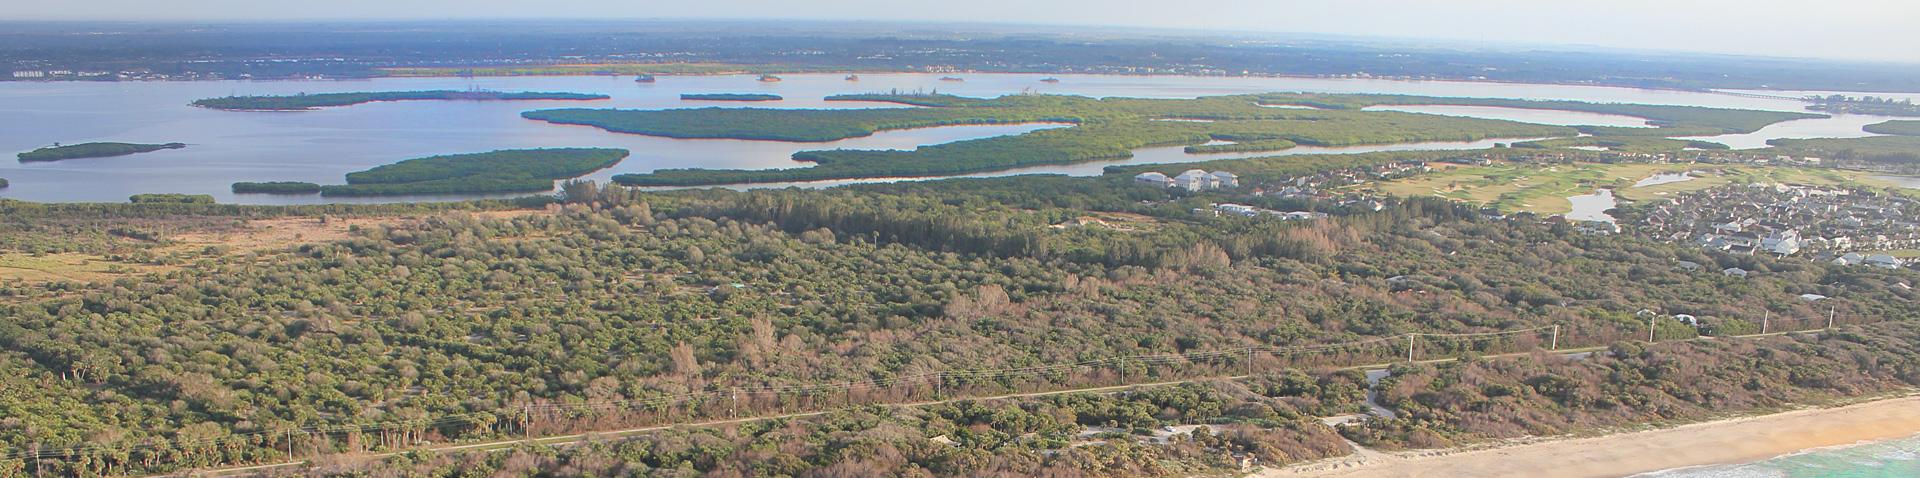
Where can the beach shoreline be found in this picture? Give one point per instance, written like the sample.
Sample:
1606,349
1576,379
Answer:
1734,440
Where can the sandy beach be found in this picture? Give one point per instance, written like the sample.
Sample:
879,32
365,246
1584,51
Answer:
1737,440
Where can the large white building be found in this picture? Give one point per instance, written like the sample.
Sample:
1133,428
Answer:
29,74
1191,180
1153,178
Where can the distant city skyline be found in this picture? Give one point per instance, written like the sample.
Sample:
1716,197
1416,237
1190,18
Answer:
1877,30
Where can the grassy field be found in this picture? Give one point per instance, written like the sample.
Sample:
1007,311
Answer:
16,266
1543,189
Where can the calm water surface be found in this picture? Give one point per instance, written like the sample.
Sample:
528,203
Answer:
322,146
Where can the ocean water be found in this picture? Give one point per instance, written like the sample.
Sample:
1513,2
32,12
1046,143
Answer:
1888,459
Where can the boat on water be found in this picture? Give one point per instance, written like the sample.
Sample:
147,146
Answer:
952,78
853,77
643,79
769,79
1049,80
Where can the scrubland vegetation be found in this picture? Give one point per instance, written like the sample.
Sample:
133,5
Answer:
455,326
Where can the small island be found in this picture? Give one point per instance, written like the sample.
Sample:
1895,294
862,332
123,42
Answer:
730,97
306,102
504,171
3,183
1895,127
171,198
276,187
92,150
1868,105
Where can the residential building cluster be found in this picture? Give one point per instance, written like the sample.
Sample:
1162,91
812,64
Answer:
1822,222
1191,180
1231,209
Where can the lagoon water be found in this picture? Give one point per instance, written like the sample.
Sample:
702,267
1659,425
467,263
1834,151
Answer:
322,146
1592,207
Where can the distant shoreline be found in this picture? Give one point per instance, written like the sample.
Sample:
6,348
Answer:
754,70
1730,441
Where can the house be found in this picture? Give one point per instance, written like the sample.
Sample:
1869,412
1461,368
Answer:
1812,297
1237,209
1785,243
1734,272
1850,259
1688,266
29,74
1597,227
1883,261
1194,180
1223,179
1153,179
1687,319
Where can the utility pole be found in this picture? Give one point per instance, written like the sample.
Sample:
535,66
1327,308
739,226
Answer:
1830,311
1410,346
734,408
1650,338
1249,363
1763,322
289,444
1555,345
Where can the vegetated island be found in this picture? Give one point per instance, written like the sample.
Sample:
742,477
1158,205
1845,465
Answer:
504,171
306,102
730,97
171,198
1899,150
3,183
1895,127
1869,105
92,150
1108,129
276,187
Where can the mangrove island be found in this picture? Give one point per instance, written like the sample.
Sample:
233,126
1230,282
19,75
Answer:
305,102
92,150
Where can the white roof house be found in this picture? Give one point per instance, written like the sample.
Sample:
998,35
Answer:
1223,179
1734,272
1154,178
1883,261
1194,180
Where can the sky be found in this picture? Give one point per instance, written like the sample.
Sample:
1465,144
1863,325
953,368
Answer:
1834,29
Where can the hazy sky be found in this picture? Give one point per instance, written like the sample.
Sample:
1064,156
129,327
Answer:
1849,29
